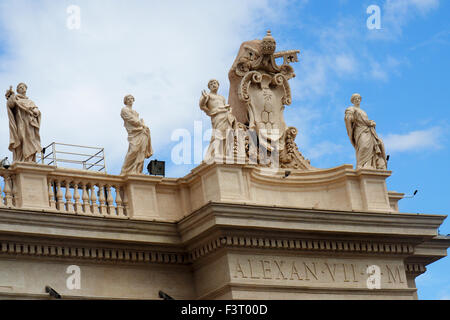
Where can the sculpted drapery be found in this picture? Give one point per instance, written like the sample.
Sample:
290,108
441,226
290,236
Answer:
24,124
140,146
222,121
370,152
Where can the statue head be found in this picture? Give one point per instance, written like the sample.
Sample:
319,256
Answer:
268,44
356,99
213,85
22,88
128,100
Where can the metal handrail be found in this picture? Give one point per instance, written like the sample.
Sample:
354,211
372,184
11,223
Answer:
52,158
80,154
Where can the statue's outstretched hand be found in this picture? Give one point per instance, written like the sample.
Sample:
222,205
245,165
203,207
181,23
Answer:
204,100
9,93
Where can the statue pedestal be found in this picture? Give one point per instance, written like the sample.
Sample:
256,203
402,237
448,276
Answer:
142,196
30,186
340,188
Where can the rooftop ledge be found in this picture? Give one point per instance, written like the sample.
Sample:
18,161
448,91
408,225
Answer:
37,187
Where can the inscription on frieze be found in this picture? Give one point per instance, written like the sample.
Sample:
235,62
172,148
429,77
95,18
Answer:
308,271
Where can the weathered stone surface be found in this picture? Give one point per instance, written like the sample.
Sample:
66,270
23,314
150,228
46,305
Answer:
140,144
369,147
24,125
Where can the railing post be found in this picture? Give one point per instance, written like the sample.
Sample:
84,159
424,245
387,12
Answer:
85,198
2,203
76,197
69,203
110,201
101,198
8,191
119,202
126,202
1,196
51,195
94,206
59,196
54,154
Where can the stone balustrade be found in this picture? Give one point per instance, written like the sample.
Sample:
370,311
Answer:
6,189
88,196
31,186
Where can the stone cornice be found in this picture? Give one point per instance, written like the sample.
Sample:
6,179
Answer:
49,224
415,269
431,250
96,253
221,225
308,220
301,245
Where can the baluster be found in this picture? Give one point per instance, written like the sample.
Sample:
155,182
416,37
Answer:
85,198
101,198
76,197
94,206
110,201
1,197
7,191
59,196
119,202
13,191
125,203
69,203
51,195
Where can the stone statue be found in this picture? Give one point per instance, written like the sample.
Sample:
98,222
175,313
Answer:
259,92
222,122
369,147
24,124
140,145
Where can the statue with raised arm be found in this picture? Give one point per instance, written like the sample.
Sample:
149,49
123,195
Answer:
24,124
222,122
140,145
370,152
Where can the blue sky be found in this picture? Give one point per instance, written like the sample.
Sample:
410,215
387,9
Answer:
165,53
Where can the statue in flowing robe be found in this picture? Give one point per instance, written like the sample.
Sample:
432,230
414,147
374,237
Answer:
370,152
24,124
140,145
222,122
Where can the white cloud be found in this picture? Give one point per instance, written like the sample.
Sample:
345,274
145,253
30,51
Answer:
322,149
414,140
345,64
422,5
440,38
161,52
314,79
334,58
396,14
378,72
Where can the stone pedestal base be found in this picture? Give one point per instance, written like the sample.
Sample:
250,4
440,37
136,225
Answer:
30,185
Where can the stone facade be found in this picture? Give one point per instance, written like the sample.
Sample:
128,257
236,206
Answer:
221,232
